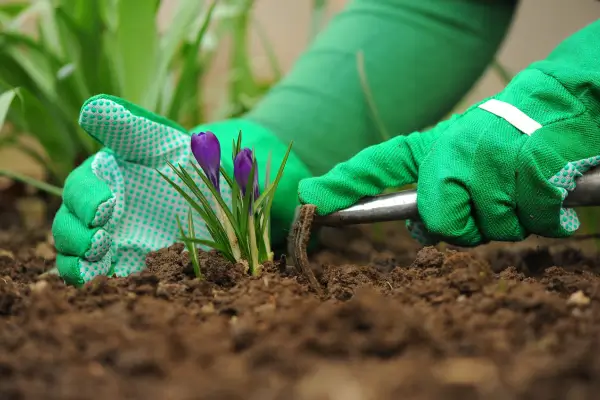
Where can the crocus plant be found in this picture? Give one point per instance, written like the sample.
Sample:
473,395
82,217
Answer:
241,231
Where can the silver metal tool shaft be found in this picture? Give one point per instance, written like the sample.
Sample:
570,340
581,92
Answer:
403,205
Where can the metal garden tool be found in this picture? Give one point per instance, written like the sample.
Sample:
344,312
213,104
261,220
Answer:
396,207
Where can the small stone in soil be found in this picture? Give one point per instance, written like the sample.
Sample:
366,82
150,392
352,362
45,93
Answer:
578,299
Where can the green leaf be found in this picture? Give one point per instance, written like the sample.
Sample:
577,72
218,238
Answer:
219,237
187,11
36,117
81,37
39,64
210,244
218,198
14,8
53,190
25,63
226,176
190,246
133,48
6,99
191,71
271,188
242,84
271,56
207,213
50,36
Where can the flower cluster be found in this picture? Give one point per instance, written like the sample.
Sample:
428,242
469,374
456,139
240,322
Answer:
240,230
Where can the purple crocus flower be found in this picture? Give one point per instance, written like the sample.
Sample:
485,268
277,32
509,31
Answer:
207,151
242,167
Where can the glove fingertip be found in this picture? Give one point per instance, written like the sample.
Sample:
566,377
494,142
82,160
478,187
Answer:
69,270
324,195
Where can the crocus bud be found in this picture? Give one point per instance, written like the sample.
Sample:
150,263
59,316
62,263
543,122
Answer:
242,167
207,151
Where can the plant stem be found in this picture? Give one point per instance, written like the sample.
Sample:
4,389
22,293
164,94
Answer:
254,266
267,240
266,217
191,246
235,247
46,187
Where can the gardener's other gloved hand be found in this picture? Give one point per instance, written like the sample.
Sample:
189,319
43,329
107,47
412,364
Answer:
117,208
499,171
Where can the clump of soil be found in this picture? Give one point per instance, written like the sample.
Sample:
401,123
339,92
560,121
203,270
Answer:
395,321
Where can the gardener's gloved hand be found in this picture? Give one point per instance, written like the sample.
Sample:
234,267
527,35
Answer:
117,208
501,170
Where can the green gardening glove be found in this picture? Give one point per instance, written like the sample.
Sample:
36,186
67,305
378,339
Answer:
499,171
117,208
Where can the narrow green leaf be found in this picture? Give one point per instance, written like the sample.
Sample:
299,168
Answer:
49,28
235,199
242,82
271,56
14,8
199,209
184,16
89,31
235,224
226,176
210,244
217,197
209,217
28,65
6,99
273,186
46,187
135,47
268,170
81,38
215,228
39,64
191,248
23,17
202,209
40,119
109,10
188,81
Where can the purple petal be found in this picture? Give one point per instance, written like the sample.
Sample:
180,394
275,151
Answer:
207,151
242,167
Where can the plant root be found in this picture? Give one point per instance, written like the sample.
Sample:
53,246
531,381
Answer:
298,243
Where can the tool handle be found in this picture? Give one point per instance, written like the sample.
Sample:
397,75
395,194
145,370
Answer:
403,205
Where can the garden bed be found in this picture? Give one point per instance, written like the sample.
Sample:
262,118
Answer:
499,322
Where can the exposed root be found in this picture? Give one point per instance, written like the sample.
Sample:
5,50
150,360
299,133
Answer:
298,242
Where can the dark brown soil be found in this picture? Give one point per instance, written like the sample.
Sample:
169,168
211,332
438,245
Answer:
506,321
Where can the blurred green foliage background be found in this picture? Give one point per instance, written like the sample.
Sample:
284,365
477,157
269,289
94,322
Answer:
54,54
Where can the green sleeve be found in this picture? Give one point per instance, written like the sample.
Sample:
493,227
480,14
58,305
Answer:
420,58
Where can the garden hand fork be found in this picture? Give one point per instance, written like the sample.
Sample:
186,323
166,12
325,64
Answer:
396,207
